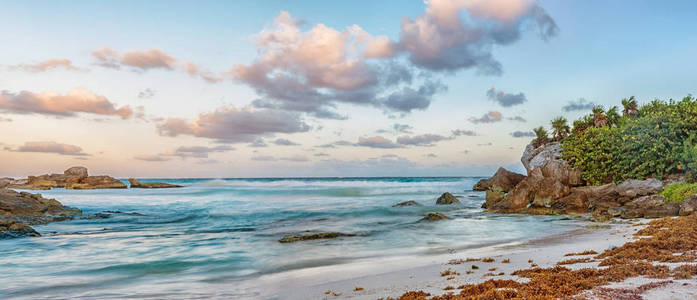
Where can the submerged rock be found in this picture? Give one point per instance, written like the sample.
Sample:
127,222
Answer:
313,236
447,199
434,216
151,185
407,203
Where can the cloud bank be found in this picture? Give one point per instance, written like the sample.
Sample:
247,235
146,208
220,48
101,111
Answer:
73,102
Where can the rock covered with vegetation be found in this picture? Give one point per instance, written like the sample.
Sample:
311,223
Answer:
610,163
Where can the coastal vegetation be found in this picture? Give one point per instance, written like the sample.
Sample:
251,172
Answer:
679,192
653,140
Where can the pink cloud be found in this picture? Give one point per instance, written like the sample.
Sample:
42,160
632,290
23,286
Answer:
47,65
49,103
51,147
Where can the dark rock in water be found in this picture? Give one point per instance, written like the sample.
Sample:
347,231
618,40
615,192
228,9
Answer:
689,206
151,185
15,229
434,216
125,213
97,216
446,199
313,236
503,179
407,203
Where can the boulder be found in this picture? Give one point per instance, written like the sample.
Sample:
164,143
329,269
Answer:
689,206
538,157
434,216
447,199
97,182
504,179
633,188
312,236
33,208
151,185
14,229
76,171
647,202
407,203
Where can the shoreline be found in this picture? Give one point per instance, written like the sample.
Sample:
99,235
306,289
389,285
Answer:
423,272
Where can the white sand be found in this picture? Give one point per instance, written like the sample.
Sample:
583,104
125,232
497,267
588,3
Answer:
391,277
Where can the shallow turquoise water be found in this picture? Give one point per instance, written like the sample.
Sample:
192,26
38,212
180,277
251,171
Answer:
215,236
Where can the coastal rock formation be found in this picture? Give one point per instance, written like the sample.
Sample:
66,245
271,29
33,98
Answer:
543,188
447,199
18,210
407,203
503,179
313,236
72,178
150,185
33,208
5,181
434,216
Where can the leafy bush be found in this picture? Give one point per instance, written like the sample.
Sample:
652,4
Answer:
656,141
678,192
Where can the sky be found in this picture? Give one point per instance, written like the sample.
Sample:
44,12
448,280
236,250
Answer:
320,88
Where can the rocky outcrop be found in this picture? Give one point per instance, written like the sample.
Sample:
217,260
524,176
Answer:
97,182
151,185
18,210
434,216
543,188
407,203
447,199
503,179
313,236
72,178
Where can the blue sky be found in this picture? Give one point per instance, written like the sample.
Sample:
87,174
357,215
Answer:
602,51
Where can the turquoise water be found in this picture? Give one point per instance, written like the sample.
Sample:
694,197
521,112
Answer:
217,237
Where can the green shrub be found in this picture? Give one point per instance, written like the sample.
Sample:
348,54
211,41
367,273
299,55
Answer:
656,141
678,192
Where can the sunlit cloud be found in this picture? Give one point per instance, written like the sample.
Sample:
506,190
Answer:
69,104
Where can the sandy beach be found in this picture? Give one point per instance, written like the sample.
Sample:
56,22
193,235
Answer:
370,280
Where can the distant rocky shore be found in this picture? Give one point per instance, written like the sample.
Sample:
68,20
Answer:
76,178
19,210
552,186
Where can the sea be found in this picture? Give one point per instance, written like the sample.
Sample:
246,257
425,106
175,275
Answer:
219,238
